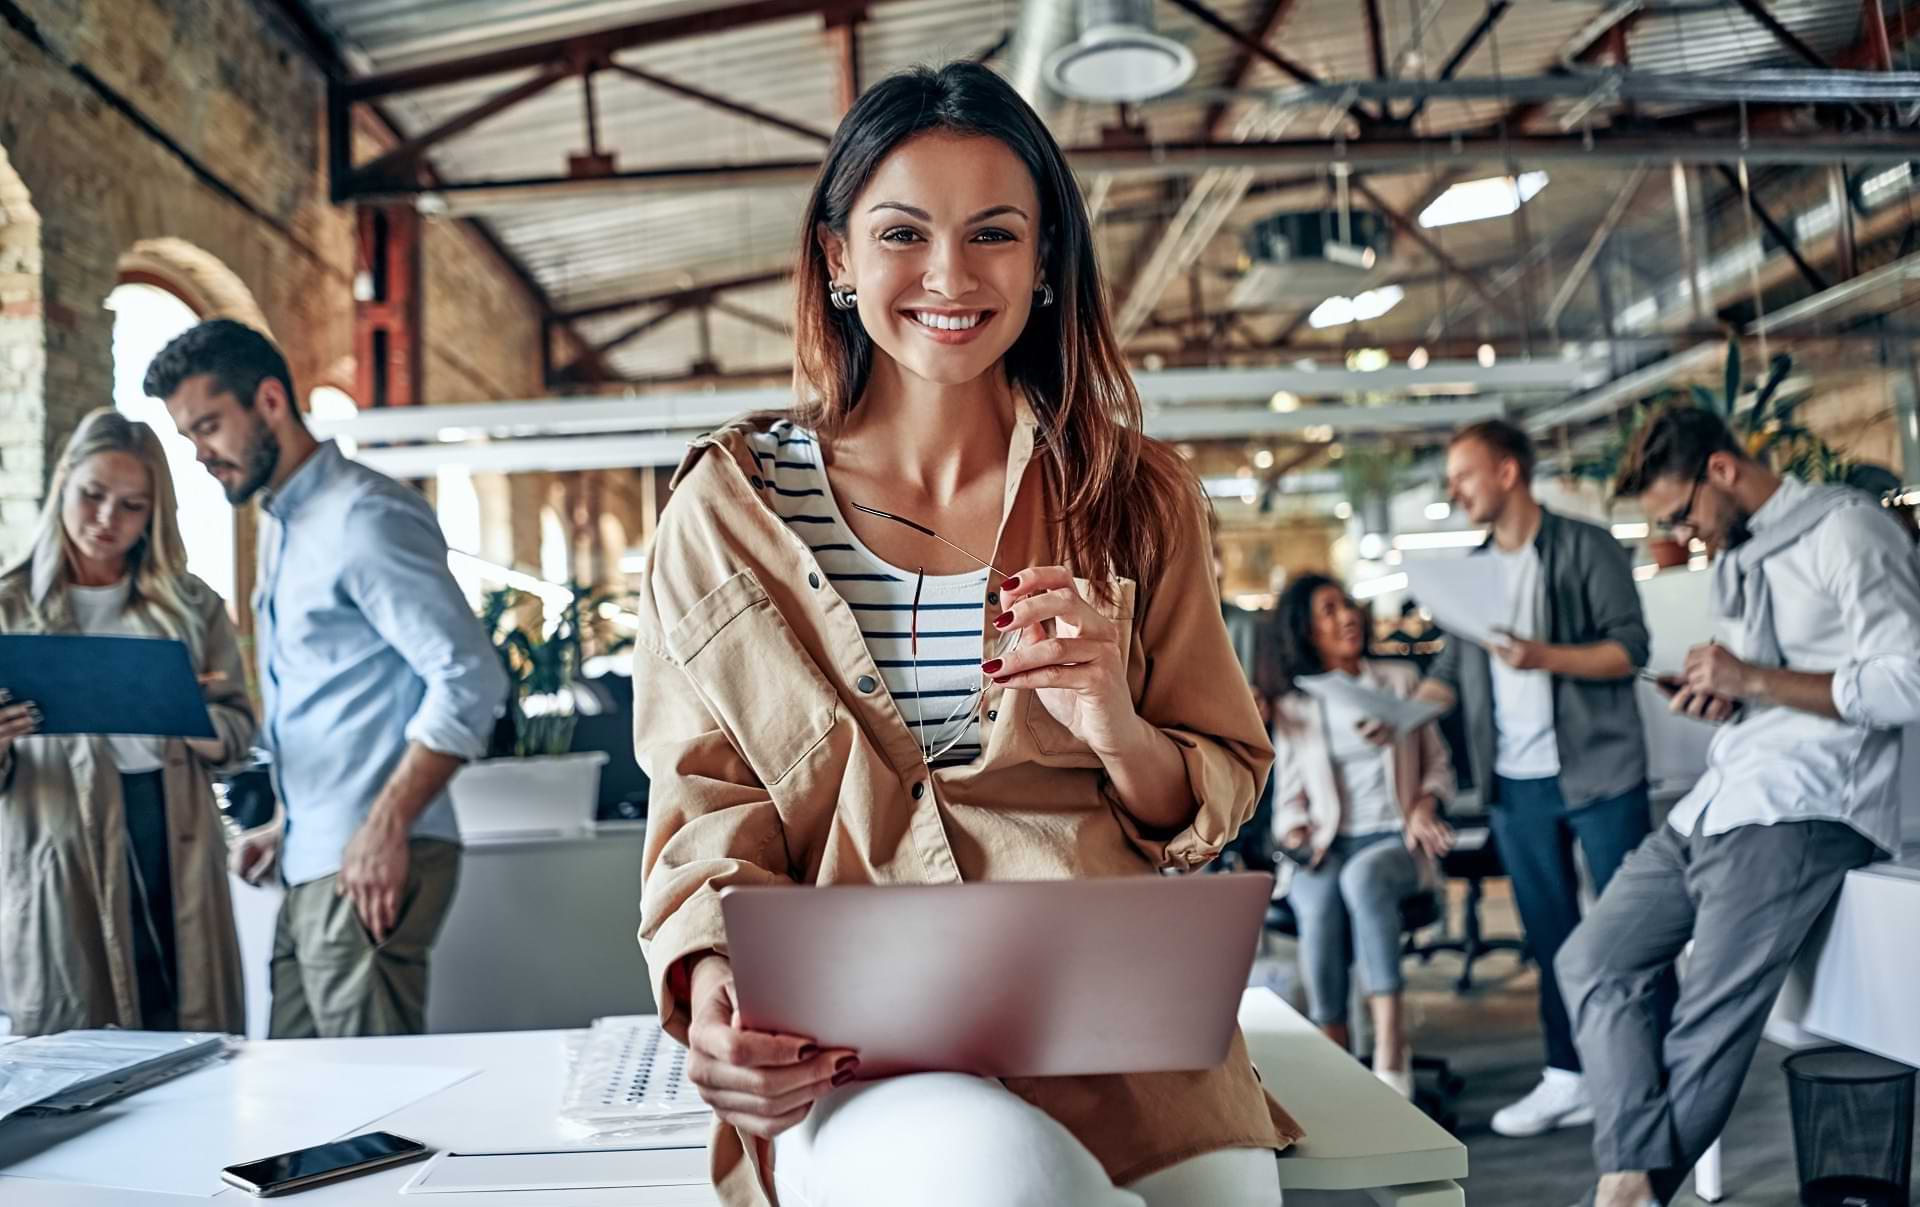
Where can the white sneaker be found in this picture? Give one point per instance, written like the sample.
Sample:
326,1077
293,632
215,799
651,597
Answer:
1400,1079
1560,1100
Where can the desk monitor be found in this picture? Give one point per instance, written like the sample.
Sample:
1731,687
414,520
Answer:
1003,979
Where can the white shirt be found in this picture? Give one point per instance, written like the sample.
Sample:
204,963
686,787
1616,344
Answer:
1361,769
1523,738
102,612
1846,599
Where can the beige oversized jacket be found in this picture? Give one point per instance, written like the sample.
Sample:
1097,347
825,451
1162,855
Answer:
66,906
769,765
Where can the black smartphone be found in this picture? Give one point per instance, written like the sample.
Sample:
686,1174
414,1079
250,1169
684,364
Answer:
322,1163
1669,684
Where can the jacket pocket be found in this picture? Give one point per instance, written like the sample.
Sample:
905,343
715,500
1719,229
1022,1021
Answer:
754,675
1049,736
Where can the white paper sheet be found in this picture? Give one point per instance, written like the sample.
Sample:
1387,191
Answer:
1401,715
568,1169
1464,595
176,1137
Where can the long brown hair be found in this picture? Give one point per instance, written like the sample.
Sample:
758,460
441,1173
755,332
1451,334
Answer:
1118,499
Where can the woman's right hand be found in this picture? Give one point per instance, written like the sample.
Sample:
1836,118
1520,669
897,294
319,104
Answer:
761,1083
16,720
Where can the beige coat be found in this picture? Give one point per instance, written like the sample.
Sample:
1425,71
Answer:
66,947
1306,792
771,766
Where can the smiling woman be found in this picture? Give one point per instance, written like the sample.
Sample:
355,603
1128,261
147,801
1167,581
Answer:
956,544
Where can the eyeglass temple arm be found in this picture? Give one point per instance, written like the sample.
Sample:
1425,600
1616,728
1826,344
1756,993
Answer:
923,530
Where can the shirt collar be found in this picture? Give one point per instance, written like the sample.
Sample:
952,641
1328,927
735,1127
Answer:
1784,499
307,481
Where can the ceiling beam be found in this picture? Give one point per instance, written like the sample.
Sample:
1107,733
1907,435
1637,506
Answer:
737,108
1786,37
1412,230
1377,42
403,161
1464,51
1371,153
752,318
692,295
1259,49
653,32
843,44
1244,63
1781,234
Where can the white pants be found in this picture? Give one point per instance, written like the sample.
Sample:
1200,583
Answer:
950,1140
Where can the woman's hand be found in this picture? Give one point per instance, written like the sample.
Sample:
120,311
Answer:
16,720
1426,833
209,750
1075,668
761,1083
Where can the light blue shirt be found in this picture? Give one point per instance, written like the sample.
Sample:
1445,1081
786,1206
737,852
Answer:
365,644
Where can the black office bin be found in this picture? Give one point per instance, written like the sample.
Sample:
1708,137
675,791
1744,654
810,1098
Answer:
1852,1128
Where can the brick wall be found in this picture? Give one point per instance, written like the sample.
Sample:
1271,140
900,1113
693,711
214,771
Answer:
205,131
23,350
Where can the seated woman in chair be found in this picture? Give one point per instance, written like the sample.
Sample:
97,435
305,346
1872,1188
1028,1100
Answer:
1359,823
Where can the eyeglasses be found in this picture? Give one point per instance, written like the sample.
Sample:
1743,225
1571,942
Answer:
1684,517
942,737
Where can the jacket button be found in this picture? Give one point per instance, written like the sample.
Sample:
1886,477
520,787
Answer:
993,714
813,580
918,790
866,684
993,597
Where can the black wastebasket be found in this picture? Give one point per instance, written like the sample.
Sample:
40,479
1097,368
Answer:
1852,1128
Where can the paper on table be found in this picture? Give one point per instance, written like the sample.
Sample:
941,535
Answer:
175,1138
1465,595
565,1169
1401,715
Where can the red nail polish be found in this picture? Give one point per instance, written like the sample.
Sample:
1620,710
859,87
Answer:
1003,620
842,1078
809,1051
1003,678
987,668
1011,583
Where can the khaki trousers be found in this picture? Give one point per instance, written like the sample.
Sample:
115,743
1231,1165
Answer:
331,980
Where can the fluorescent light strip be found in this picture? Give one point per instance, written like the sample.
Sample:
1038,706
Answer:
1464,539
1631,532
1476,200
1379,586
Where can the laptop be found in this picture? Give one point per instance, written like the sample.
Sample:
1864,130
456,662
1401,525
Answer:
1005,978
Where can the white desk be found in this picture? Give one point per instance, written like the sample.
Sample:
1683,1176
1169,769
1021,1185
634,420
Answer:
1362,1137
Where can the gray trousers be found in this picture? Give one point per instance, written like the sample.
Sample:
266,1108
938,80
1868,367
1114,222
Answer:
1747,900
1348,906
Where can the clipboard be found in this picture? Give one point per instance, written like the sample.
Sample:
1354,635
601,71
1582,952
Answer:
145,686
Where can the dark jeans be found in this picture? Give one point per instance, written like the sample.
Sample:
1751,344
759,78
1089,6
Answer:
1536,832
150,872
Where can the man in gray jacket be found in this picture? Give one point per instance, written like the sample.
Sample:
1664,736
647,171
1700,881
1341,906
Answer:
1553,732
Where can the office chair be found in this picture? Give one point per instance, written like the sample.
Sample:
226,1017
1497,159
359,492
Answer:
1474,866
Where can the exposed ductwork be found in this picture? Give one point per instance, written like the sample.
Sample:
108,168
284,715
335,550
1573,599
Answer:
1043,28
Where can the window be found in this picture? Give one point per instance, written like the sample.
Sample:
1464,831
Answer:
145,318
330,403
556,555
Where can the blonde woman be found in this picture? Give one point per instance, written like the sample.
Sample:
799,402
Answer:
113,882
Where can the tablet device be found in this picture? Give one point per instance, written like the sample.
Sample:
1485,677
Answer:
106,685
1003,979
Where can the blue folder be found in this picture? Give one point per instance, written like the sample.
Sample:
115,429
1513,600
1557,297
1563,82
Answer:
106,685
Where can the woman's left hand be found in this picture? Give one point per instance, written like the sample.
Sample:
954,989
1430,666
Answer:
1075,666
1426,832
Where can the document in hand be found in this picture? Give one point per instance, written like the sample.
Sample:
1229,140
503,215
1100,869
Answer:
106,685
1465,596
1400,715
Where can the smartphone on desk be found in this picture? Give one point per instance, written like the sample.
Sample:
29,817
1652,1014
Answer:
322,1163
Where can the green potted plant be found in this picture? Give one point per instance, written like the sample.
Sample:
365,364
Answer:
534,781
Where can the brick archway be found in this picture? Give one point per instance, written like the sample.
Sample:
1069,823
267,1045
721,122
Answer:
23,365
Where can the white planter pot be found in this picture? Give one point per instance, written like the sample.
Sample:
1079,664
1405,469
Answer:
552,794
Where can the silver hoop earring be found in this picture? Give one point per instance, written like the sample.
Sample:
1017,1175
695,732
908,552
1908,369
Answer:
1046,294
842,297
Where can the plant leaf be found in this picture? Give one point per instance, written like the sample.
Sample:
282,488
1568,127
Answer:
1704,399
1733,374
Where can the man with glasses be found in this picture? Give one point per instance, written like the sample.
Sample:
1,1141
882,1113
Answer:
1816,596
1553,732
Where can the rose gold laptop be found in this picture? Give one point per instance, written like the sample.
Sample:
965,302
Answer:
1002,979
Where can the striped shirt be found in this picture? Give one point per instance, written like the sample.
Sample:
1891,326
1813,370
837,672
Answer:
939,699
